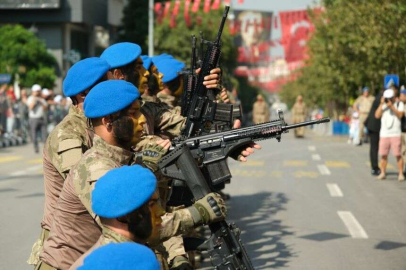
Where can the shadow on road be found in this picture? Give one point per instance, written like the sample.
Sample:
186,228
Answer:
262,235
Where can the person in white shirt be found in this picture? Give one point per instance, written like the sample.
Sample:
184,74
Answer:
390,111
37,107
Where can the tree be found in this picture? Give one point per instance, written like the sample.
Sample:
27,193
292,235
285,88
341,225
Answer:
22,53
134,24
177,40
355,44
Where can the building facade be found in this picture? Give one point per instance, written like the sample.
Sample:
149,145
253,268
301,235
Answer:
71,29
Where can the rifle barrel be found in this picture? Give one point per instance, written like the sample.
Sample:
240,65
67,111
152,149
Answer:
223,21
307,123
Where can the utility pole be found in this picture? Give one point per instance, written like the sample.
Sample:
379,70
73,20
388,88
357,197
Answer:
151,28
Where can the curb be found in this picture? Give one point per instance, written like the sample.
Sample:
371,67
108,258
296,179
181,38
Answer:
13,141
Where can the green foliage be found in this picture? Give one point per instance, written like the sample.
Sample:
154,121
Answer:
134,25
177,40
21,52
355,44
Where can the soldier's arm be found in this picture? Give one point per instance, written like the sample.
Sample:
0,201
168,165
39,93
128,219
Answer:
85,177
167,121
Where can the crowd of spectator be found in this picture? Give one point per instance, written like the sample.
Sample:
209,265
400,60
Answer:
30,113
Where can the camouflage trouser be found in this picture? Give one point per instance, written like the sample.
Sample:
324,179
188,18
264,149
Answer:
44,266
37,247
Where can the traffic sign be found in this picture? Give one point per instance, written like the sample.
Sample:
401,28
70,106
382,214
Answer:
391,79
5,78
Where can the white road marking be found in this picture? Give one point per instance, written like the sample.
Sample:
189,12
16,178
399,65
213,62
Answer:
334,190
352,224
312,148
316,157
323,169
22,172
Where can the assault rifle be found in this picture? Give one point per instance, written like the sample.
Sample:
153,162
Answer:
204,110
190,78
195,161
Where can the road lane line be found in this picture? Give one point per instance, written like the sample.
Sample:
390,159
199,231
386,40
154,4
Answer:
352,224
334,190
295,163
23,172
316,157
323,169
10,159
337,164
312,148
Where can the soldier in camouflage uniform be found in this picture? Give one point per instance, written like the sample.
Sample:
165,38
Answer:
68,141
260,111
155,83
135,214
115,114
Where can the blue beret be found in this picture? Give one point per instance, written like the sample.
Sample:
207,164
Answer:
403,92
121,54
123,190
83,75
365,89
147,61
158,58
123,256
169,68
109,97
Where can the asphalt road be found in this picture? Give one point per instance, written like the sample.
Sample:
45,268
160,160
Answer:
301,204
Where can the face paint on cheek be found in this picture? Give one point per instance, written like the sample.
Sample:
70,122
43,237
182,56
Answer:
138,124
156,219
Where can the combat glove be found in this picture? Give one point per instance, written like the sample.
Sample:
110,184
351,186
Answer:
181,263
151,155
211,208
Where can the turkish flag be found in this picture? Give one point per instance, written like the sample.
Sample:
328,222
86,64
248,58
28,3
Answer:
158,12
196,5
216,4
186,12
227,2
175,13
207,6
167,7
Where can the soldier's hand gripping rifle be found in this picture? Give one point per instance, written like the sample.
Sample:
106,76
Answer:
204,110
211,150
188,161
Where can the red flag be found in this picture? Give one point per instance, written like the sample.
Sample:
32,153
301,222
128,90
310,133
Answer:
227,2
186,12
196,5
207,6
240,1
175,13
167,7
216,4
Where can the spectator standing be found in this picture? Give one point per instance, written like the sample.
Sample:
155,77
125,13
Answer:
37,107
373,126
403,125
363,105
260,111
390,112
354,129
299,112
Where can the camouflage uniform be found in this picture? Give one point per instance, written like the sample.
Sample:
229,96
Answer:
299,112
63,149
171,101
75,227
108,236
363,104
260,112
